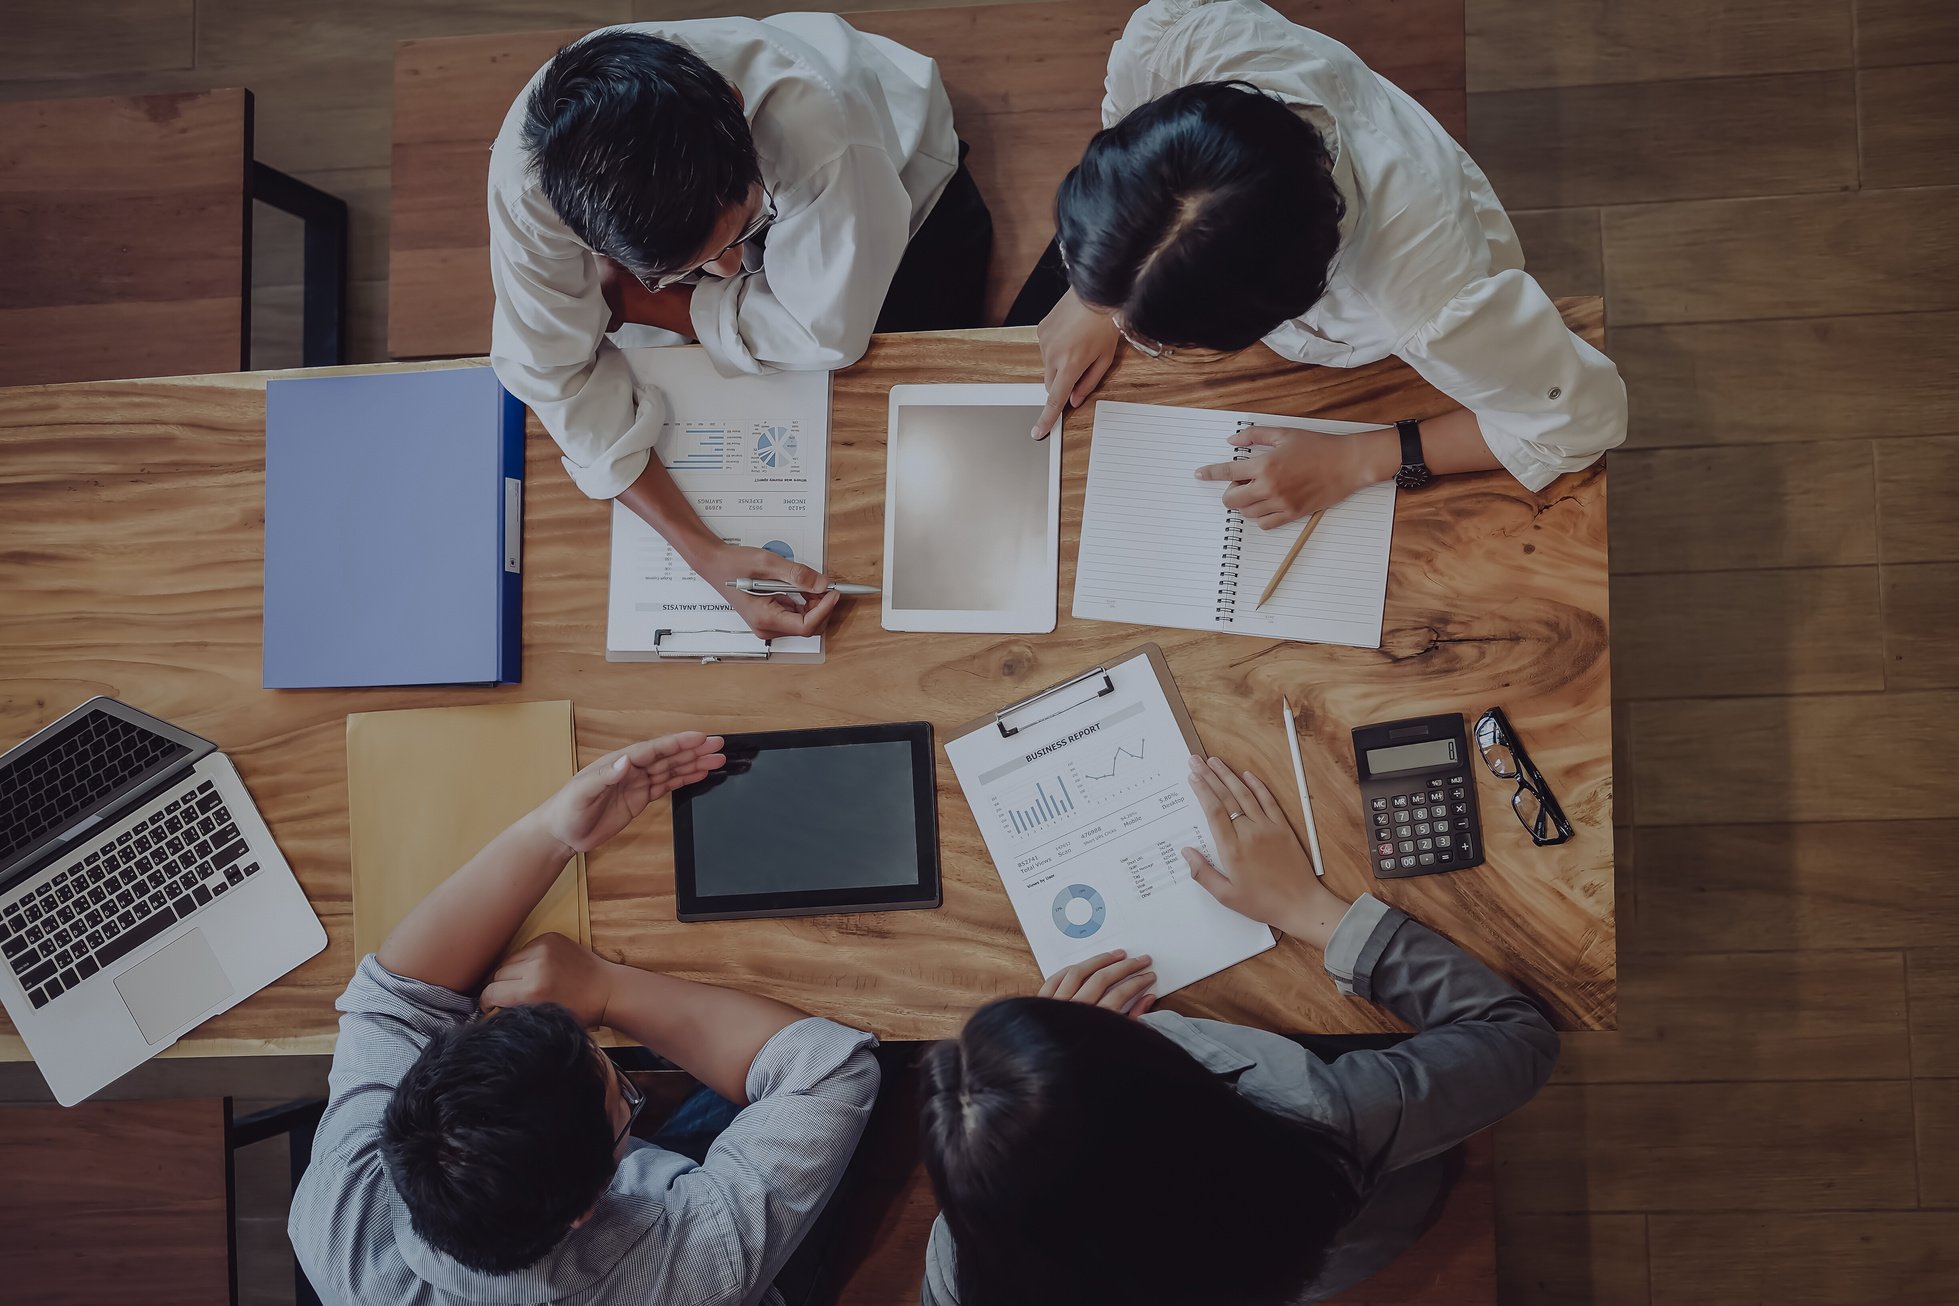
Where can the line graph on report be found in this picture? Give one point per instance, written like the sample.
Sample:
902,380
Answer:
1119,770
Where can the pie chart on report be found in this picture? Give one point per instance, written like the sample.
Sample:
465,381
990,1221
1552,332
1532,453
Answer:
775,447
1079,911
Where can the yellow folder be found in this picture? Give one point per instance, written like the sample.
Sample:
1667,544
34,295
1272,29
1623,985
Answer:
428,787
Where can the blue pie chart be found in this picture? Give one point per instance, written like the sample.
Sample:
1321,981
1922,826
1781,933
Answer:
1064,921
774,447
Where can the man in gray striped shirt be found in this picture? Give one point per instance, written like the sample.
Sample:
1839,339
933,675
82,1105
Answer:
489,1159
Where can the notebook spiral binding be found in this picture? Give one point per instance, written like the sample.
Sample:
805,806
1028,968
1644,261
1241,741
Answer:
1234,551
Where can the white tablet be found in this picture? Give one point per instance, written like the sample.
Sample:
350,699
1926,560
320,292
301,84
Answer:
972,510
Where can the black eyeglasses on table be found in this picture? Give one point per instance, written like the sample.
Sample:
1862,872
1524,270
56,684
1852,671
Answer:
1533,802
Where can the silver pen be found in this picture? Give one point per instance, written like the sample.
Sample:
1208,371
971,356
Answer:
747,586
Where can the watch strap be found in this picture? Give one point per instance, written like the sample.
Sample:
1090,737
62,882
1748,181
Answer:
1411,442
1414,473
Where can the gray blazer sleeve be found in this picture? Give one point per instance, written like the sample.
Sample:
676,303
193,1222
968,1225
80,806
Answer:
1482,1049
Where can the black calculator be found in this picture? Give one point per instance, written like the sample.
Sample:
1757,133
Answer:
1418,796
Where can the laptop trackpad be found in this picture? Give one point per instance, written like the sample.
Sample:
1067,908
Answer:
180,982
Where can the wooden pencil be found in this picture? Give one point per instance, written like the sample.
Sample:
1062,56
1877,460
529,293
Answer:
1285,564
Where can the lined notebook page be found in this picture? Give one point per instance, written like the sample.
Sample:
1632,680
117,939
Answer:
1159,548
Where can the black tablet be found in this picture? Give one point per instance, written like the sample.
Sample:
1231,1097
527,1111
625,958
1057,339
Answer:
807,821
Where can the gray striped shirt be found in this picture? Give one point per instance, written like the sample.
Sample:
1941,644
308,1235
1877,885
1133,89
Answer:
1481,1052
666,1230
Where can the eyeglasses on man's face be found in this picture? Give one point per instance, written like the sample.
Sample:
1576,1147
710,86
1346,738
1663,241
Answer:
629,1094
761,222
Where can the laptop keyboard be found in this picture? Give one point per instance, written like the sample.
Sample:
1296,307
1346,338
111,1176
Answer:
104,906
64,776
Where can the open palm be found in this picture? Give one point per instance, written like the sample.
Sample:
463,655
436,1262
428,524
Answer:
602,799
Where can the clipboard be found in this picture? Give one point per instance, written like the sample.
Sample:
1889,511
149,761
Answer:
1086,811
1081,690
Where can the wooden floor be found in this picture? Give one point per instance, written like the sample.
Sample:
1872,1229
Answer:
1764,191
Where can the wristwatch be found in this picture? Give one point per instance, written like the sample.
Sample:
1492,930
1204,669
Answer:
1414,473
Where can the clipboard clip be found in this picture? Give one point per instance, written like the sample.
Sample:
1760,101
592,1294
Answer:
1082,689
676,652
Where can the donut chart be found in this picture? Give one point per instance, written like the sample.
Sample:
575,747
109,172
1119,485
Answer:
1097,911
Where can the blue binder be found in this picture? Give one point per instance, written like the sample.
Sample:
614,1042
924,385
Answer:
393,521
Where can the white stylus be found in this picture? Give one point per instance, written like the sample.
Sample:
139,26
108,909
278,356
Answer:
1305,803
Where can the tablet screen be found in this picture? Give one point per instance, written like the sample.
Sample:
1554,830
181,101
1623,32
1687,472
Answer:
790,820
970,509
838,819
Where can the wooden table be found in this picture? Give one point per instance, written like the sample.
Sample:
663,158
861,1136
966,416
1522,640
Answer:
131,551
1025,82
126,223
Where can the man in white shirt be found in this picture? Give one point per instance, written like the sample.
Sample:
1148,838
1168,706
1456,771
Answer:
1256,181
776,190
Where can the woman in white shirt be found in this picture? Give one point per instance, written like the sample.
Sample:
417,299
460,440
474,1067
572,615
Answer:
1256,181
775,190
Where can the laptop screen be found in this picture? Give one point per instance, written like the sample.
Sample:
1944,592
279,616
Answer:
90,761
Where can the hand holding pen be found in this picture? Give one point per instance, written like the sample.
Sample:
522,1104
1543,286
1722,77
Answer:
748,585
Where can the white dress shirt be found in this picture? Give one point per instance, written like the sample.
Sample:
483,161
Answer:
855,139
1429,267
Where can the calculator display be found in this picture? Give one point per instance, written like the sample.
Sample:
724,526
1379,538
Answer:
1408,757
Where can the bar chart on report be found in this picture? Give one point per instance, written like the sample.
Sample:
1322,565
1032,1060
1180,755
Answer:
1028,807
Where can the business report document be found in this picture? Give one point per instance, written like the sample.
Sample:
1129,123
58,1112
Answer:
751,453
1159,548
1085,811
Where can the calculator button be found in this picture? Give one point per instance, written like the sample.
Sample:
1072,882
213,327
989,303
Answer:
1407,845
1466,851
1458,793
1462,823
1381,818
1404,831
1408,863
1380,804
1445,858
1436,783
1387,863
1400,800
1456,780
1383,849
1461,809
1424,845
1442,841
1427,859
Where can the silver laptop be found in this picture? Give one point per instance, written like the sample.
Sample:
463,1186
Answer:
140,893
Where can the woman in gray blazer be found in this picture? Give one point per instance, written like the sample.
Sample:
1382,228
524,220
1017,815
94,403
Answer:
1086,1150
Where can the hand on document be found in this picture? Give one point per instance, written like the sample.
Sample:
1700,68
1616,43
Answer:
770,615
1114,980
1294,473
1265,874
602,800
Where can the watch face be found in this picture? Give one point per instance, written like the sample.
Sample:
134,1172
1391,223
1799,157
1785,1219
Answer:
1412,476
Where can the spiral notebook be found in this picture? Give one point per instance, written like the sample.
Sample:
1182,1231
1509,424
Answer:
1159,548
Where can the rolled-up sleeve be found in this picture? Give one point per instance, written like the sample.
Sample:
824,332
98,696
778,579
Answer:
385,1022
1547,402
1482,1050
826,266
548,345
767,1176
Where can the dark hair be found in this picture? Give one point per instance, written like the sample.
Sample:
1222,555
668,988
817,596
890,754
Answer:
1207,217
498,1138
1046,1123
640,146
